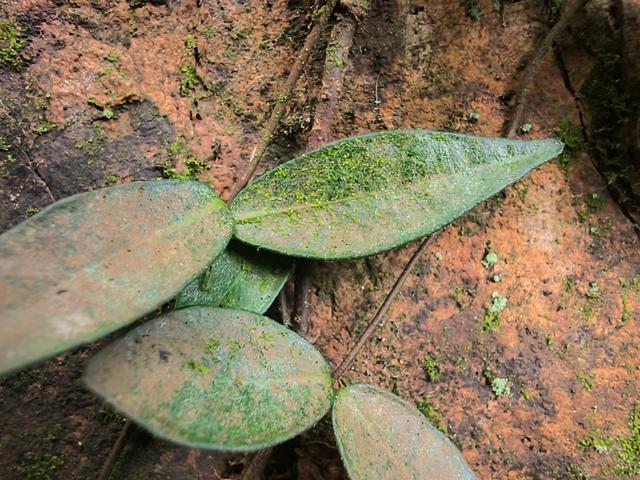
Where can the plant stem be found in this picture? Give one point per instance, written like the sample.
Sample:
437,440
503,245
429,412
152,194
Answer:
267,132
302,297
376,320
532,67
121,442
284,307
335,65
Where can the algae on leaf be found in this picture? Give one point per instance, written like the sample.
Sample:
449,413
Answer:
94,262
384,437
241,277
214,378
366,194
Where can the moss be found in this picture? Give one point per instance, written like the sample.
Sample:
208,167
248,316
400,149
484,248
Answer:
189,43
111,57
574,471
596,442
569,285
11,43
111,179
93,144
191,166
360,165
571,135
460,363
586,379
594,202
587,310
319,12
431,367
284,96
426,407
333,57
208,32
189,79
548,339
627,311
472,9
473,116
629,453
374,181
457,296
196,366
4,145
41,465
240,34
31,210
43,127
213,346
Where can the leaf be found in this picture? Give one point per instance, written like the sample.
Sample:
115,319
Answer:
214,378
240,277
93,262
366,194
383,437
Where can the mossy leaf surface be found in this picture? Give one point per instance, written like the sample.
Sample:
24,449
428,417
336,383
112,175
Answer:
366,194
214,378
241,277
93,262
382,436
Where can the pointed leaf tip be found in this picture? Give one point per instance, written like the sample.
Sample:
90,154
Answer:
93,262
214,378
383,437
366,194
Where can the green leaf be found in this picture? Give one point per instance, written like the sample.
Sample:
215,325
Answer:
241,277
367,194
93,262
383,437
214,378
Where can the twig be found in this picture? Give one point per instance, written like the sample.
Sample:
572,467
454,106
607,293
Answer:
255,467
376,320
267,132
336,58
532,67
284,307
302,297
335,63
121,442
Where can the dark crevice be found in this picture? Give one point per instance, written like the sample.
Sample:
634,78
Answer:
564,73
613,192
34,169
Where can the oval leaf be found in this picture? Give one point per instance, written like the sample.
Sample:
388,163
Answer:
367,194
214,378
241,277
383,437
94,262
